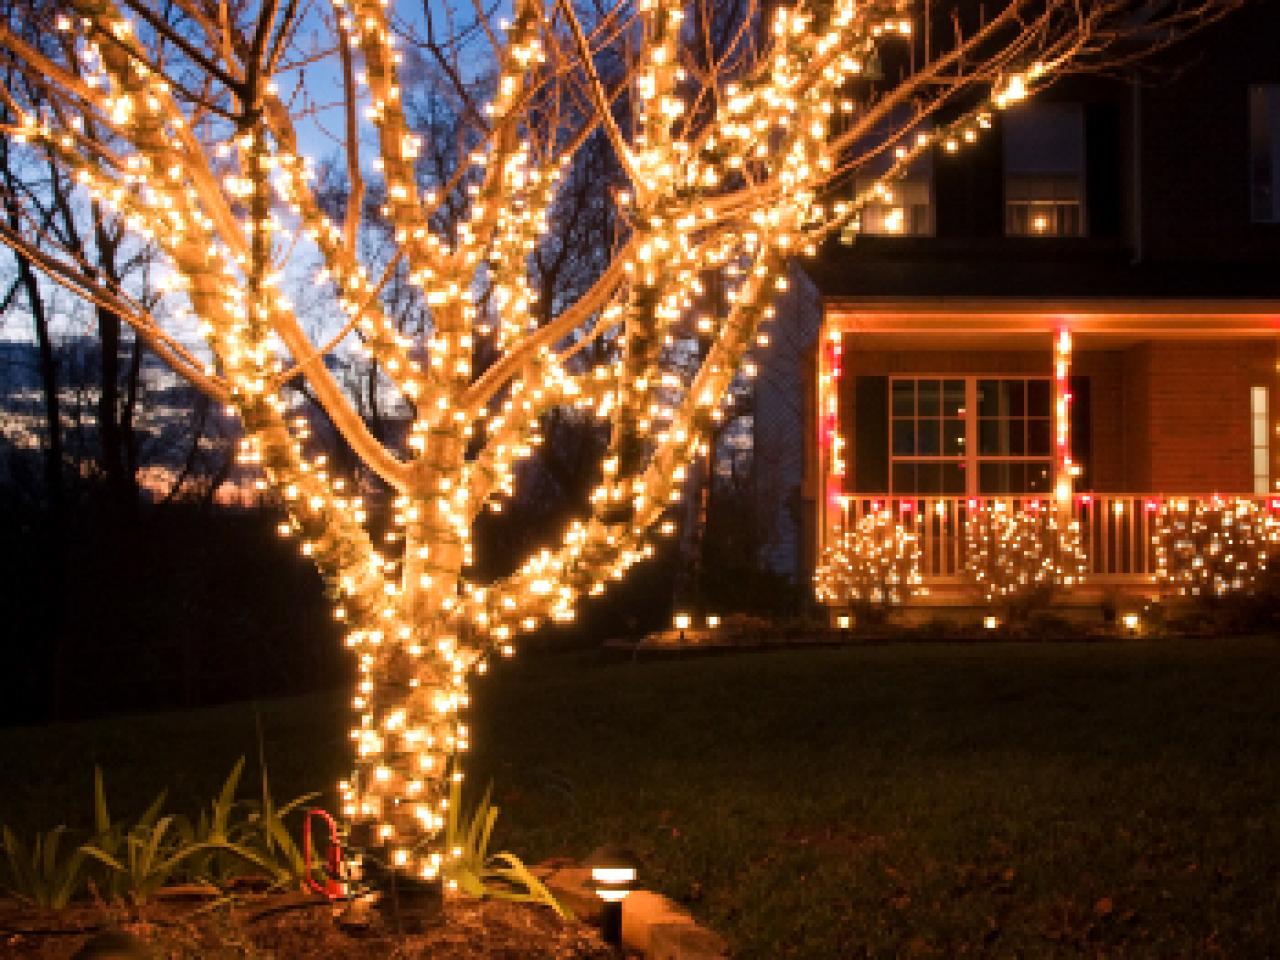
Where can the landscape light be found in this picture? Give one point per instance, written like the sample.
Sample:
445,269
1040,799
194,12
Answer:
613,871
713,621
990,622
1131,622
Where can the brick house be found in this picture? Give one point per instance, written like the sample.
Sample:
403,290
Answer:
1076,319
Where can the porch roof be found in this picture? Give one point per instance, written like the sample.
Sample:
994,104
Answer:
949,317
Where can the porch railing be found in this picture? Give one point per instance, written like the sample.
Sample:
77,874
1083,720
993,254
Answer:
1116,529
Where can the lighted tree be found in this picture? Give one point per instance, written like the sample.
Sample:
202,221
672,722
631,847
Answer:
736,130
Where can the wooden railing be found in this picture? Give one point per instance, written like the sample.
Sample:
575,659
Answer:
1116,529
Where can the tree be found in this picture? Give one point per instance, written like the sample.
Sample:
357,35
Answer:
734,140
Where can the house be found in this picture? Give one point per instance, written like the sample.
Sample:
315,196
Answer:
1052,360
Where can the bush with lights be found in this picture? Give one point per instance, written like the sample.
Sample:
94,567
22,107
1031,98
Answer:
1016,556
873,566
1211,548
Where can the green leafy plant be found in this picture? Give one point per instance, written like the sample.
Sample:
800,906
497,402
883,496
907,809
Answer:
149,857
268,838
222,838
42,875
478,873
156,850
230,839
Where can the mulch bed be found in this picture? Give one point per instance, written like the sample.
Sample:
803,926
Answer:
289,926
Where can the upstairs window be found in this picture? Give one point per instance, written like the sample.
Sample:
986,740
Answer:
905,209
904,204
1264,152
1044,171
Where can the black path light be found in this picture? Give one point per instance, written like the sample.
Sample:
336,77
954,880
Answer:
613,872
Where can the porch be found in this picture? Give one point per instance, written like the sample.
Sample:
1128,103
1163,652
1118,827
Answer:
1130,544
1125,450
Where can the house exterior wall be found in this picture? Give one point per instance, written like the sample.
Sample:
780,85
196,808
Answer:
1167,218
1197,402
1108,453
1194,135
781,407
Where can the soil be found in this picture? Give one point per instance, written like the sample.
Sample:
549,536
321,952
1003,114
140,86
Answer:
287,927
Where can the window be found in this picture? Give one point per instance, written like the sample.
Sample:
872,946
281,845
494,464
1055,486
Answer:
906,209
928,435
1260,422
1014,436
1264,152
970,435
1044,171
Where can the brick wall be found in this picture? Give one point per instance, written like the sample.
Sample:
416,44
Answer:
1197,404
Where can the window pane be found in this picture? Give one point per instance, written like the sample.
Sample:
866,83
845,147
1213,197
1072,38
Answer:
904,478
904,438
1015,390
988,398
993,438
1038,477
904,398
1038,438
928,440
928,397
1264,152
929,478
993,478
953,478
953,438
953,398
1038,402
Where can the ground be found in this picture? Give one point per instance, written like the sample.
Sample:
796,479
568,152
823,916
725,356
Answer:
288,927
1118,799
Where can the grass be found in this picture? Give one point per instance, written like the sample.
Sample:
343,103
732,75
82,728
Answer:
913,800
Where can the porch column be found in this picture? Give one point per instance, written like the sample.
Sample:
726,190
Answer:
830,444
1063,467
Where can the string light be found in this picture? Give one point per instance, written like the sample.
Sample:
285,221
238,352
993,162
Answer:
1213,546
875,563
1012,552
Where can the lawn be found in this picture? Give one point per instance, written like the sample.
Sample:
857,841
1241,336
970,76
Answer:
911,800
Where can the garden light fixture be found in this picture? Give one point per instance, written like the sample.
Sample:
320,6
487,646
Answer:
613,871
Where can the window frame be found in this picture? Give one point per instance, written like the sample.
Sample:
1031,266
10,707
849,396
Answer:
1058,205
875,213
972,459
1270,93
1260,438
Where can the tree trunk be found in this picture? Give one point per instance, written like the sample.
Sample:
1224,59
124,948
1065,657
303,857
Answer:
113,432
